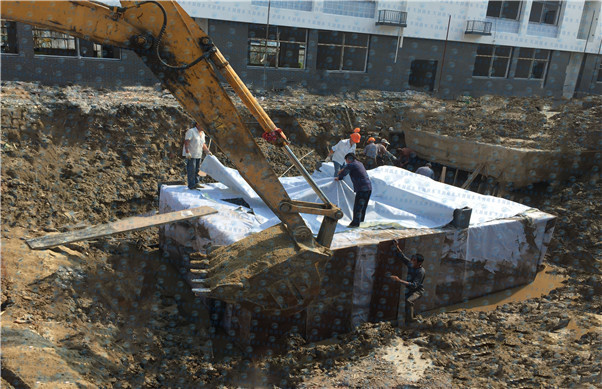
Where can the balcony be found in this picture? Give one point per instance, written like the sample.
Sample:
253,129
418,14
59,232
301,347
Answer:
392,18
478,27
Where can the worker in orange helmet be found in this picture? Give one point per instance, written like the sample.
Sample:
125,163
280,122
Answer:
341,149
370,151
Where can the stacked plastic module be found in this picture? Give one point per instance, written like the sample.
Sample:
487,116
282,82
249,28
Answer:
501,248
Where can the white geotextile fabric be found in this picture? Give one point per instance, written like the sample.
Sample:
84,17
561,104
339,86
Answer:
399,198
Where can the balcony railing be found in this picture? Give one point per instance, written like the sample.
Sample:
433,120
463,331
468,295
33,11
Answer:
478,27
392,18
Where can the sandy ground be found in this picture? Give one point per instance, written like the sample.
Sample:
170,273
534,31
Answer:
114,312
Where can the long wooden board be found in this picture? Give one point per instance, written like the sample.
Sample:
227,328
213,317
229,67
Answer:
473,175
129,224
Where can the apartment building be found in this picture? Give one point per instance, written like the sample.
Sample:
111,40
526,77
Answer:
450,48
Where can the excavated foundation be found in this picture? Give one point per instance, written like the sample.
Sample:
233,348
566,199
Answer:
461,264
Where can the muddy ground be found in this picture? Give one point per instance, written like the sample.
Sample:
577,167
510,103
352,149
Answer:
114,312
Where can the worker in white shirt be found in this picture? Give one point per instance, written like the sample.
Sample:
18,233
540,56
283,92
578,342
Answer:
341,149
194,145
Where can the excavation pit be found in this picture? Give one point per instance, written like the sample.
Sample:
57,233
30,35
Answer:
502,248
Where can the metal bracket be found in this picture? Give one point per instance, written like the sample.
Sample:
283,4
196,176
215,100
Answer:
295,206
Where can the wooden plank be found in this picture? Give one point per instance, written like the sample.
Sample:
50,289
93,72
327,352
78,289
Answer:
443,172
129,224
474,175
455,177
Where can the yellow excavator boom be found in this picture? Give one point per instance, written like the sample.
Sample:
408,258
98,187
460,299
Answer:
184,59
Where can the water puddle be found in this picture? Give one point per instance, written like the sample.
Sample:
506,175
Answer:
545,281
591,323
408,360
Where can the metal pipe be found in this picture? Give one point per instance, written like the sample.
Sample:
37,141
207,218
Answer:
306,175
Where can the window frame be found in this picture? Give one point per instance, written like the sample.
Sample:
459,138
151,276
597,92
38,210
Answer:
518,12
492,59
599,78
541,15
533,60
343,45
264,43
78,48
9,30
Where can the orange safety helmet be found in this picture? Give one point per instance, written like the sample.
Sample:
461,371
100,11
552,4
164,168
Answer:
371,139
356,130
355,137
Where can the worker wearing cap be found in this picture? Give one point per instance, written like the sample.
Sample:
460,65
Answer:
361,186
383,155
341,149
370,151
194,145
413,282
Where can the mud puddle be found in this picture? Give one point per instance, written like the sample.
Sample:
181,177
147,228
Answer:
409,362
545,281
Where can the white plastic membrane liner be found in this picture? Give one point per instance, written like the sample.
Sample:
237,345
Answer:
363,279
399,199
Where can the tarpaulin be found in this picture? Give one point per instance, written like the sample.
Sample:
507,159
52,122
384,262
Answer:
399,199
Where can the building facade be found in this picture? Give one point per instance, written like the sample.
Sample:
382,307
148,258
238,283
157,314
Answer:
450,48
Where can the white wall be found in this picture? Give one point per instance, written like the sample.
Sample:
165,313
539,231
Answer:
425,19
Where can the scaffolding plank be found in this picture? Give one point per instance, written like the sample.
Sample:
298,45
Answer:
474,175
129,224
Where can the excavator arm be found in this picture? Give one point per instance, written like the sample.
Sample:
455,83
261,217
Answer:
184,59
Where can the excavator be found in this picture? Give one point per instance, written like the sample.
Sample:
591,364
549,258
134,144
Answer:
276,271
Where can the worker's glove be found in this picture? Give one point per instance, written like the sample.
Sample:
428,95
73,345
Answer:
188,156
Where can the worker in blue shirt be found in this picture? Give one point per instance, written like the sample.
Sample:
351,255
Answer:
361,186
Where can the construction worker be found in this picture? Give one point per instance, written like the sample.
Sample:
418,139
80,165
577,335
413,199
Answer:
414,280
426,170
370,152
361,186
194,145
341,149
407,157
383,156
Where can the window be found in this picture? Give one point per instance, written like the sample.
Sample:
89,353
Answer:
342,51
284,47
94,50
504,9
46,42
357,8
545,12
301,5
532,63
600,71
492,61
9,37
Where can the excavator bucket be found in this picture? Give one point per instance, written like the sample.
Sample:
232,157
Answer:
266,272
